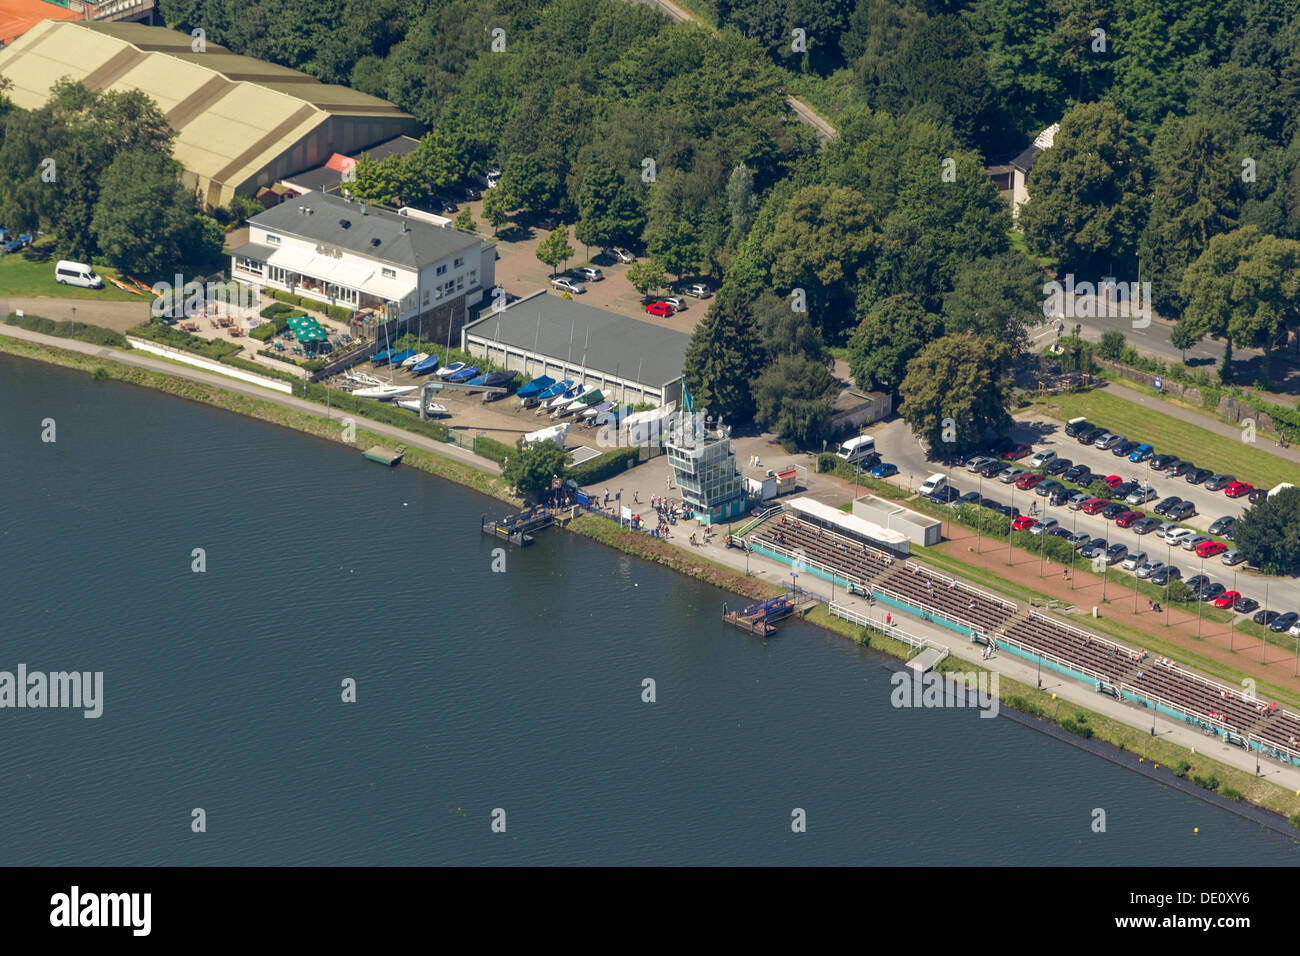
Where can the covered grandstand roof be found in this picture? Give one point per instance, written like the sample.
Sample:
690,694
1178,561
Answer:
233,114
859,527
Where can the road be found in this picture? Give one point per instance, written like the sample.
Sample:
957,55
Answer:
140,360
821,126
898,445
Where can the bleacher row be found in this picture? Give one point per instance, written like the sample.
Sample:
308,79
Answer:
925,589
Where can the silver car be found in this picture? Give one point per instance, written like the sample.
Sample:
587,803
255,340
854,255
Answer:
1008,475
1076,501
1134,559
1196,540
568,285
1233,557
1149,568
978,462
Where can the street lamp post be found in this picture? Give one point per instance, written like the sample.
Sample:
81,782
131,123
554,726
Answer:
1169,578
1199,602
1011,521
1232,610
979,517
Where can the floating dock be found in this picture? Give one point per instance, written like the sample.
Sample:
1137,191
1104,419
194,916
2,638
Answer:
518,528
385,456
761,618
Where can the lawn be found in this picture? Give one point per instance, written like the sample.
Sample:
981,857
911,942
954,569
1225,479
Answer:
20,276
1172,436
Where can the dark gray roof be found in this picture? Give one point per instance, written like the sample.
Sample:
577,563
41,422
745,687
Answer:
615,344
422,245
320,179
254,250
397,146
1025,161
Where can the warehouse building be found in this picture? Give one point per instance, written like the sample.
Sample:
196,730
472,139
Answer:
241,124
407,273
543,334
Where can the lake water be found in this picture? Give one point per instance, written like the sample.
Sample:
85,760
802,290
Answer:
476,690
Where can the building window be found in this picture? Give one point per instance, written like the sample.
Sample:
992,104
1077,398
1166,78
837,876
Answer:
473,277
426,297
273,240
460,261
390,273
460,283
442,269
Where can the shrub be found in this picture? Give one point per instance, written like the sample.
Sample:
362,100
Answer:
1181,768
789,446
94,334
101,373
276,308
826,462
604,466
277,324
180,339
1232,794
492,449
1078,726
1209,783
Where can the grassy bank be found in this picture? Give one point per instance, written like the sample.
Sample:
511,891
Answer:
1229,781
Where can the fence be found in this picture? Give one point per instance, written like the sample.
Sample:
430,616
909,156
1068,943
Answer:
890,630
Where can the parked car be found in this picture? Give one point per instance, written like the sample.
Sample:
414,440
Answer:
1198,475
1181,468
1123,449
446,205
1128,519
1077,501
588,273
1232,558
1112,482
970,498
698,291
1227,599
1237,489
1123,489
1181,511
1042,458
992,467
565,284
1010,511
1177,536
1284,622
1134,559
1165,529
1194,542
1094,548
1218,482
1018,451
1043,525
1148,568
1244,605
1058,532
1166,503
679,305
1079,539
1076,473
1166,574
1141,453
1023,523
1161,462
1089,436
1109,440
1028,480
1114,510
1046,487
945,495
472,194
1057,465
1266,617
1008,475
1256,495
661,309
974,464
621,254
1145,525
884,470
1222,525
1116,553
1210,549
1060,495
1196,582
1140,496
1211,591
1093,505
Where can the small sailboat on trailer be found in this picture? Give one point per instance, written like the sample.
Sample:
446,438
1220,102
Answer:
414,360
534,388
425,365
384,392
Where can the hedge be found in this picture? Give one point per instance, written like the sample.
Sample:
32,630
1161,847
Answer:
377,411
604,466
492,449
180,339
274,326
275,309
259,369
339,313
93,334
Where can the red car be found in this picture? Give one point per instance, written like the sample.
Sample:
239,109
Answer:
1227,599
1025,482
1016,452
661,309
1112,481
1023,523
1238,488
1210,548
1128,518
1094,505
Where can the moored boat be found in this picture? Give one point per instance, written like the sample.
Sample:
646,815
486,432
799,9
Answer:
464,374
414,360
384,392
425,366
449,370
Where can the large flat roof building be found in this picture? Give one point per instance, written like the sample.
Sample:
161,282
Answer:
240,123
543,334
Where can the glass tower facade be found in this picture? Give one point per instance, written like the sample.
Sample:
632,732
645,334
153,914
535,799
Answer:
706,474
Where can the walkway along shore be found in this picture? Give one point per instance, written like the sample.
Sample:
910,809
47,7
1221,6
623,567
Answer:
766,576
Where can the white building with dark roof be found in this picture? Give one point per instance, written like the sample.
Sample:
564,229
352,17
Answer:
411,273
630,360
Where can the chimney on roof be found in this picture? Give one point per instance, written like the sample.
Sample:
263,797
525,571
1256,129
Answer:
405,227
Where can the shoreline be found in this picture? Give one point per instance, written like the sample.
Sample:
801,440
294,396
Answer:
1029,703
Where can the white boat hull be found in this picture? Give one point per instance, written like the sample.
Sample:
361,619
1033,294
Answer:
384,392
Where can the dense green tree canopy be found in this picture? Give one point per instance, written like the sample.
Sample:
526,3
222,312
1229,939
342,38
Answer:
722,360
962,379
1268,534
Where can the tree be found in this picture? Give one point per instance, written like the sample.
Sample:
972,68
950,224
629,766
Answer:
892,334
528,183
645,276
742,205
1111,345
530,469
464,220
823,237
143,213
793,397
675,248
785,331
723,358
1087,198
497,206
1182,338
608,210
1268,534
997,297
961,379
555,248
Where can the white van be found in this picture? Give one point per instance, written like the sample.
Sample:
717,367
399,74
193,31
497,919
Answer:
77,273
933,485
857,449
